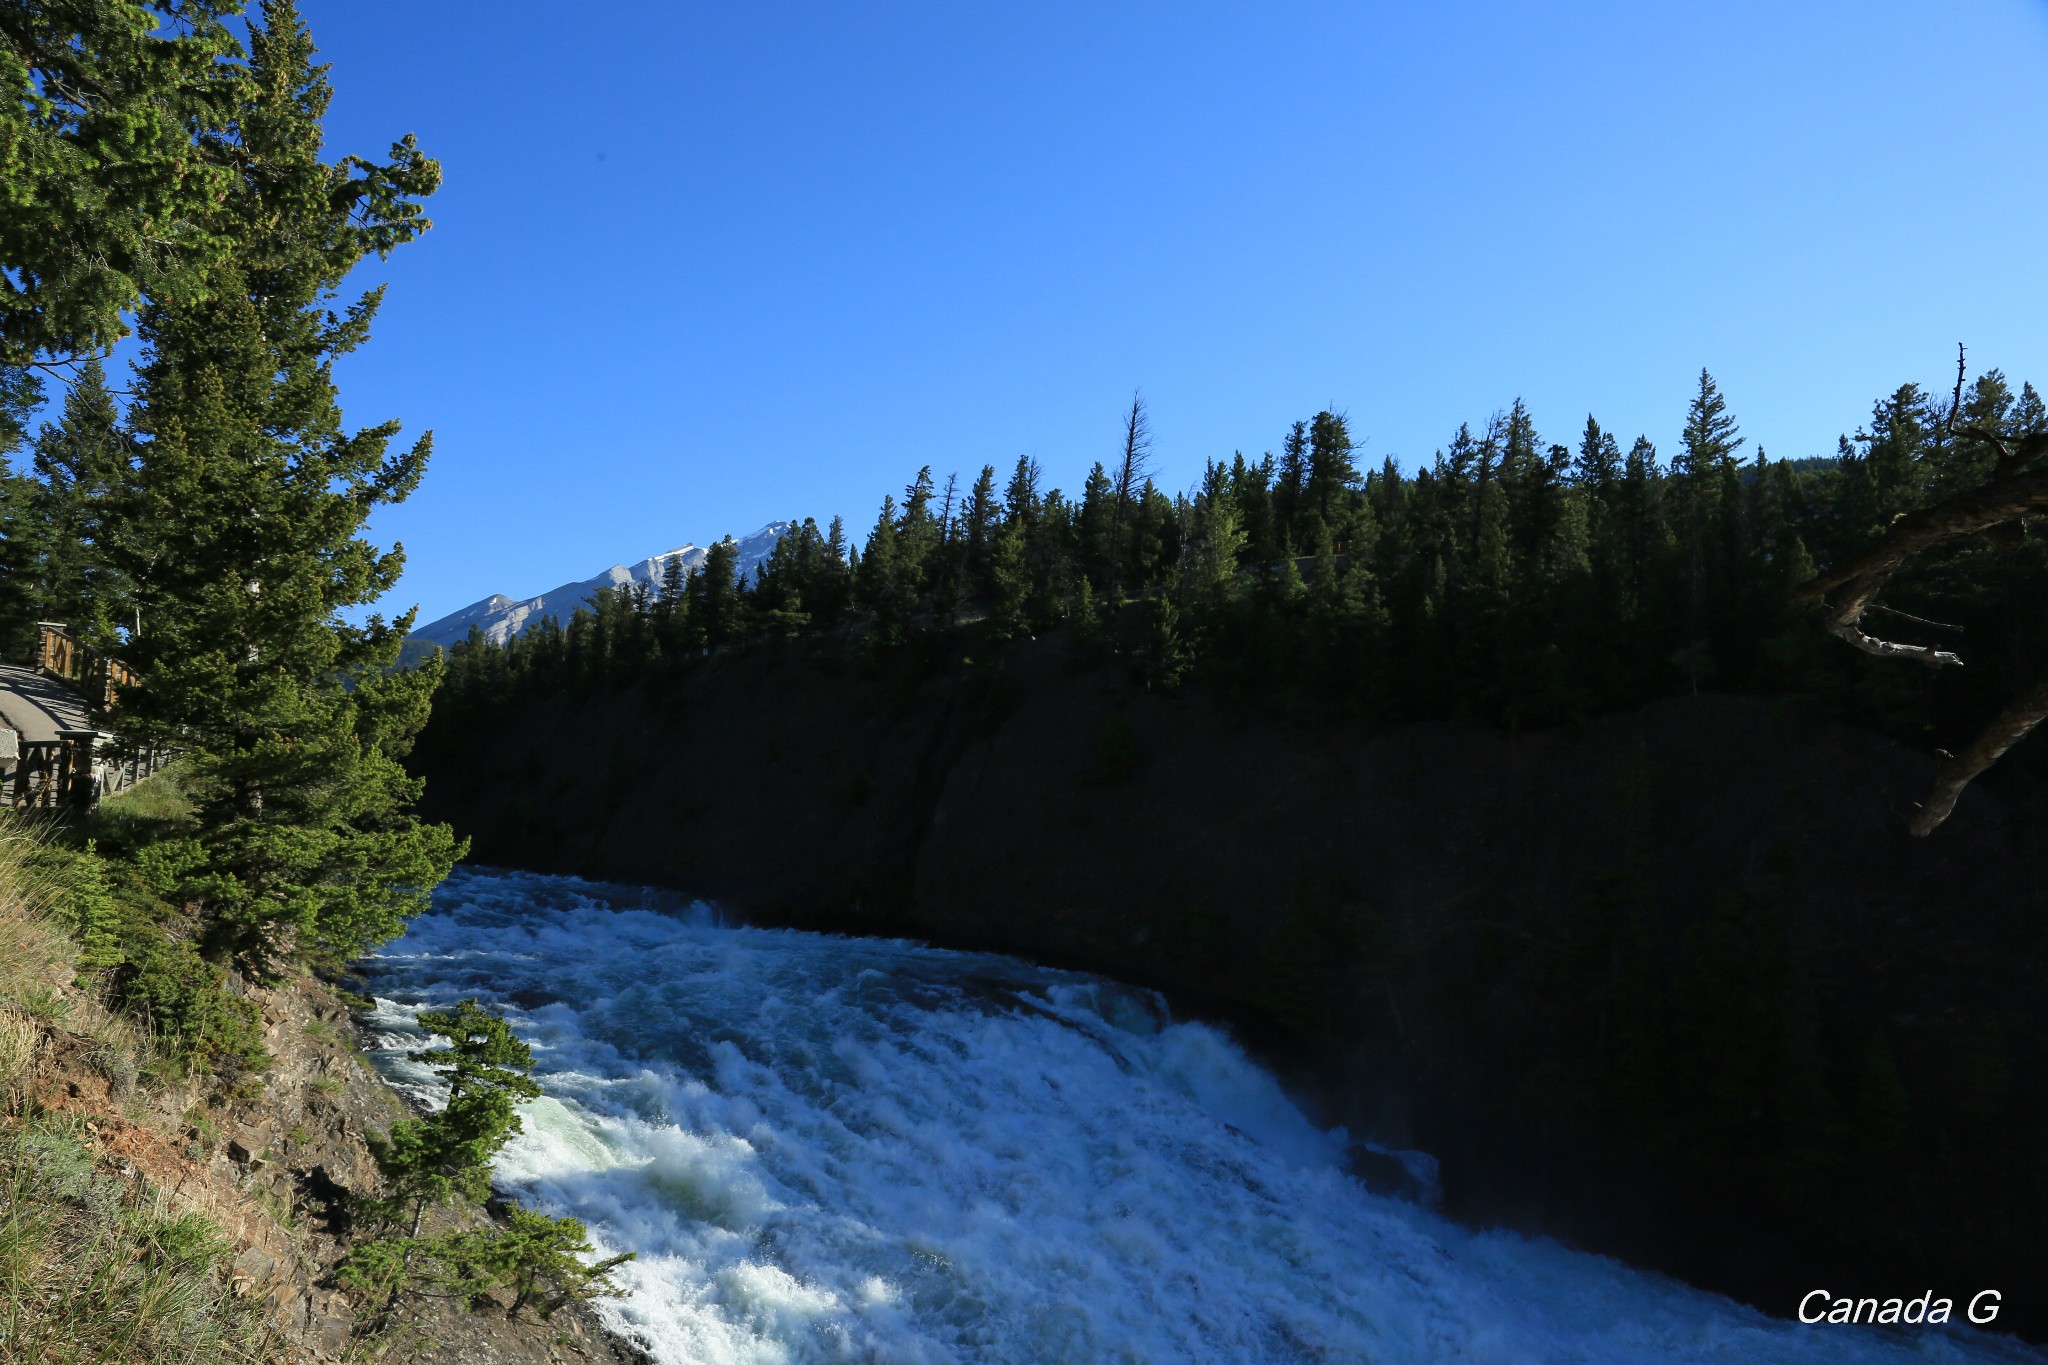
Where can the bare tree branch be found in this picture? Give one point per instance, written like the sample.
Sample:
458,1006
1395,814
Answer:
1851,588
1996,512
1916,620
2008,728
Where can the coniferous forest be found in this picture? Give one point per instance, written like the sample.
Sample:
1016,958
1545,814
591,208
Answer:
1510,579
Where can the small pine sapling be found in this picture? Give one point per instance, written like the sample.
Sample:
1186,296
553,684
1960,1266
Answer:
541,1260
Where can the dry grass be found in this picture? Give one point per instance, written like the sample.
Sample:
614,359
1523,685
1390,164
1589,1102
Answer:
19,1038
119,1050
35,953
38,957
94,1269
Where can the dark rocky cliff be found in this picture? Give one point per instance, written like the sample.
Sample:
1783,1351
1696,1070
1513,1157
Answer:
1675,985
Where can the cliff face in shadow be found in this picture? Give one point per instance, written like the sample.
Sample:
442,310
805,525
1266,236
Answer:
1674,985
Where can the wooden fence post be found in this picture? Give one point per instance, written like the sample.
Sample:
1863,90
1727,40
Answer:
77,782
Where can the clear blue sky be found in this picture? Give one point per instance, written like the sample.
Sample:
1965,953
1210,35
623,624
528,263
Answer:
700,266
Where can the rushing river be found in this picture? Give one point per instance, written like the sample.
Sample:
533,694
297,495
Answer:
830,1149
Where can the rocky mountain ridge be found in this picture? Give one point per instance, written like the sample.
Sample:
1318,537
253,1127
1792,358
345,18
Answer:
501,617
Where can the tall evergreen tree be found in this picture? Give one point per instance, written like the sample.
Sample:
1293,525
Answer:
714,596
980,521
1331,471
241,537
1095,526
1703,477
81,462
1599,461
882,582
112,120
1290,487
1218,538
1020,496
918,534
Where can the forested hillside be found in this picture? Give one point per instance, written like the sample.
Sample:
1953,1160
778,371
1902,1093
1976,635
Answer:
1509,578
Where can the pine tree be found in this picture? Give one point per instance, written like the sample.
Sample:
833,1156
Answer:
980,521
1703,478
427,1161
917,535
240,534
878,575
1521,475
446,1156
22,532
1290,487
832,592
80,463
1251,489
1020,497
112,125
672,608
1096,527
1599,461
713,596
540,1260
1710,436
1009,582
1164,657
1331,471
1218,539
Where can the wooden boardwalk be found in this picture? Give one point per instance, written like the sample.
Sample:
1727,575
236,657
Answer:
51,754
37,706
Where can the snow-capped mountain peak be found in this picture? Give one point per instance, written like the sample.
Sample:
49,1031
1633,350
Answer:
501,617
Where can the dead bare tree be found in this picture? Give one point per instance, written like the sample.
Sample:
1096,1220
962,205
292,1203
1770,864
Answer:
1995,511
1129,481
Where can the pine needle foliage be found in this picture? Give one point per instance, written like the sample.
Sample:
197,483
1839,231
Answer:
446,1156
107,110
427,1161
243,512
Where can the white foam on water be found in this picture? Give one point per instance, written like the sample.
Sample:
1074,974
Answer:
828,1149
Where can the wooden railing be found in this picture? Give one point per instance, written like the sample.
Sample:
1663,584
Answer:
79,766
75,769
46,773
98,676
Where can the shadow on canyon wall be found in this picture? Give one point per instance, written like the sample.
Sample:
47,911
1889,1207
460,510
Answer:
1674,985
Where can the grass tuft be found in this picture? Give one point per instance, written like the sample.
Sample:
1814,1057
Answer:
19,1038
44,1002
34,949
97,1270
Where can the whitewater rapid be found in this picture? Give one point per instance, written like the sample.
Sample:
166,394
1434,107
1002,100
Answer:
828,1149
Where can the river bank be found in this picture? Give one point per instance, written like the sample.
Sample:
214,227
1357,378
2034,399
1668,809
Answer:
1674,985
272,1169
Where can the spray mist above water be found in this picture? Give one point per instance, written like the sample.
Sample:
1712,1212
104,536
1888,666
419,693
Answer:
829,1149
